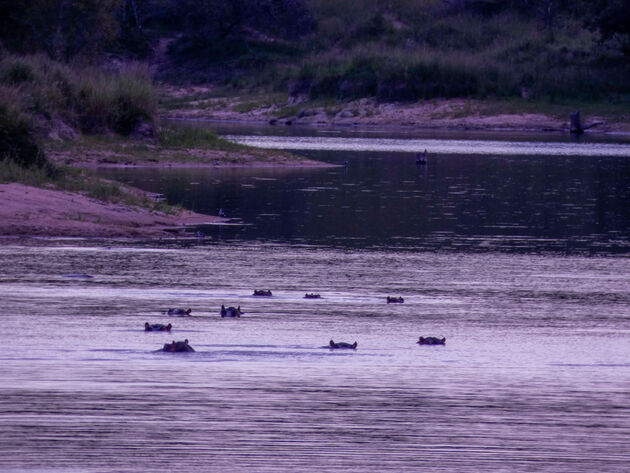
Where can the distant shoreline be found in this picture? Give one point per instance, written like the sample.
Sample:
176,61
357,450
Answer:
36,212
446,114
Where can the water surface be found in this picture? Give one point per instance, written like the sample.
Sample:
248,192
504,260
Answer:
512,202
534,374
521,262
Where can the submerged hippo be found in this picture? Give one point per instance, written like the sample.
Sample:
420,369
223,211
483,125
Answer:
432,341
395,300
262,292
231,311
180,312
178,346
312,296
333,344
157,327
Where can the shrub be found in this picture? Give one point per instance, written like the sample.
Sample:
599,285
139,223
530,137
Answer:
91,99
17,138
15,72
193,137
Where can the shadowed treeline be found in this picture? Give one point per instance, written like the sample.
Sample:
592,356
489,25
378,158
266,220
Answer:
395,50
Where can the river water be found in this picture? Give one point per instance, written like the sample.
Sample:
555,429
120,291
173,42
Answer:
521,262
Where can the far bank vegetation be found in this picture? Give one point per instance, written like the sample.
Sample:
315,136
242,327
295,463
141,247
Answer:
89,67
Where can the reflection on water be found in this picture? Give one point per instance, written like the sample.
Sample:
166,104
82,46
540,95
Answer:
571,204
533,377
519,261
477,147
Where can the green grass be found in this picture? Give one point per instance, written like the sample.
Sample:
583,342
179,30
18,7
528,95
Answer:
11,171
561,109
78,180
90,99
174,144
404,50
34,90
194,137
18,138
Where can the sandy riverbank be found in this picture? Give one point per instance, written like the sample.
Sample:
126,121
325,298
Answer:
32,211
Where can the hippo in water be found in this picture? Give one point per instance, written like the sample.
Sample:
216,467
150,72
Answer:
178,347
180,312
231,311
395,300
262,292
432,341
157,327
333,344
312,296
421,158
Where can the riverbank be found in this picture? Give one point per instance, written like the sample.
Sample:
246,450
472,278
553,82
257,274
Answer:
170,146
35,211
143,154
208,103
74,202
28,211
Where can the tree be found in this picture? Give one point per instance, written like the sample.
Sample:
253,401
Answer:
612,19
62,28
219,19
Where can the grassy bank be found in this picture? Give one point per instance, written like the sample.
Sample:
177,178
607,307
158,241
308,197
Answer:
81,181
405,50
174,146
42,101
88,99
423,50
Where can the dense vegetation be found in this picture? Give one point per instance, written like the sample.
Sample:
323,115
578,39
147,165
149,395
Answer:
39,96
55,54
392,49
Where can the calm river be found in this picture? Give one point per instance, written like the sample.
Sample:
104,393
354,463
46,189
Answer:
520,259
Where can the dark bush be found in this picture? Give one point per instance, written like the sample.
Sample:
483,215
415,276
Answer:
17,138
17,73
326,86
128,115
395,91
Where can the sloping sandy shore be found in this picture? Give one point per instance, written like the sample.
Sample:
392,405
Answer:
32,211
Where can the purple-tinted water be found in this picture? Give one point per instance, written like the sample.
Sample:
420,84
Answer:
475,192
534,376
